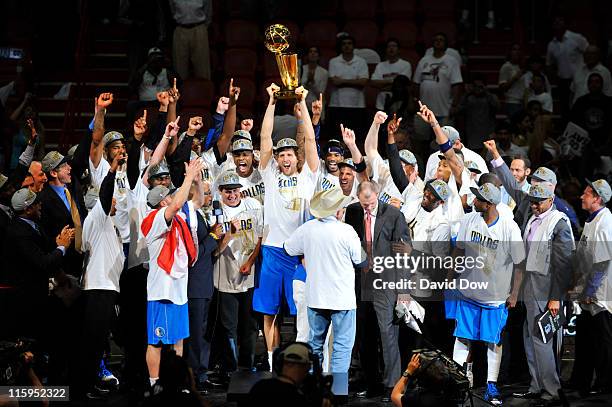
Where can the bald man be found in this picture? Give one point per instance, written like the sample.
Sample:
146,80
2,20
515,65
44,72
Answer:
39,178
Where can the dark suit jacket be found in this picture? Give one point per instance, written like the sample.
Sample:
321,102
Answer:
55,216
200,283
390,226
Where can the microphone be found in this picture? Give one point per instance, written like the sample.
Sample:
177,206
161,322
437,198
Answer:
217,212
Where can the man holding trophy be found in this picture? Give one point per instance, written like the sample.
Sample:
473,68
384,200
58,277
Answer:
288,192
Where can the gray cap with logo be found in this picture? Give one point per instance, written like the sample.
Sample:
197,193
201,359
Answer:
487,192
229,180
159,170
22,199
242,135
156,195
52,160
542,191
407,157
347,162
242,145
286,143
601,188
544,174
111,137
439,188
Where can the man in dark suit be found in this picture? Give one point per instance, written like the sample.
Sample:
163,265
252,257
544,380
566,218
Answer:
63,204
378,226
30,260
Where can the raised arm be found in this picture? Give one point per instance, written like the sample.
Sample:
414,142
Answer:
442,140
97,147
348,136
265,146
505,175
299,136
108,184
172,129
191,171
133,171
400,179
229,125
371,142
310,143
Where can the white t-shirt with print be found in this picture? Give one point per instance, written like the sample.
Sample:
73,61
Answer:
286,202
435,77
387,70
499,247
105,262
227,277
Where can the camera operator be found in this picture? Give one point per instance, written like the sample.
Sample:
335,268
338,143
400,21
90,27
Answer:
423,384
292,385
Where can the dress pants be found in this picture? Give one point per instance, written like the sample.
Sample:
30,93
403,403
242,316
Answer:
593,351
198,346
239,329
541,356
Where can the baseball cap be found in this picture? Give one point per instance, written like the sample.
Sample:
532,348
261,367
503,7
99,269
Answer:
473,167
407,157
544,174
541,192
439,189
451,133
156,195
487,192
52,160
296,353
3,179
601,188
22,199
91,197
347,162
155,50
229,180
242,134
286,143
111,137
334,146
242,145
159,170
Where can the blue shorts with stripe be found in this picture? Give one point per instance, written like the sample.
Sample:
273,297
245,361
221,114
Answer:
479,322
275,281
167,323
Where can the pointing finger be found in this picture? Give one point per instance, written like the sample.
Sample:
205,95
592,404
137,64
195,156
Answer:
174,86
144,115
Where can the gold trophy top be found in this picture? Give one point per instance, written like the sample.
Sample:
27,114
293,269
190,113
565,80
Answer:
277,38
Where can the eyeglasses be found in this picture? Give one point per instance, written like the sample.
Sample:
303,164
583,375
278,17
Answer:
537,202
207,193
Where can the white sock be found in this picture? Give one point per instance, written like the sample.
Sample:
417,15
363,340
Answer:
153,380
270,353
460,351
494,355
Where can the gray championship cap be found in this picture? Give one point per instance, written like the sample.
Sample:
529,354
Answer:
159,170
242,145
601,188
156,195
451,133
111,137
229,180
439,189
3,179
545,175
487,192
242,135
22,199
91,197
473,167
541,192
347,162
52,160
286,143
407,157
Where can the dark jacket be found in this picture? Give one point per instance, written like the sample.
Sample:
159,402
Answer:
389,227
55,216
200,283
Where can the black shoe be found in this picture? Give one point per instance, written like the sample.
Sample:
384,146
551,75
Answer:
528,395
201,387
386,398
96,394
546,403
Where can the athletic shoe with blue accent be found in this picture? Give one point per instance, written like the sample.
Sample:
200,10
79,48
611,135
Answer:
492,395
106,375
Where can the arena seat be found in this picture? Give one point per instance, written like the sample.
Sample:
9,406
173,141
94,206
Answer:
240,62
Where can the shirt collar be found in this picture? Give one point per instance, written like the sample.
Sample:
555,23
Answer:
29,222
374,212
545,214
594,214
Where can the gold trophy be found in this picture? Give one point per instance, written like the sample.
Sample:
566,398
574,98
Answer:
277,41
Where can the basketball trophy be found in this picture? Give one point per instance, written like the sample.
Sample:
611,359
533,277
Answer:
277,41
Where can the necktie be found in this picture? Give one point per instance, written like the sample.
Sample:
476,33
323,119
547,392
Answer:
532,229
368,237
76,220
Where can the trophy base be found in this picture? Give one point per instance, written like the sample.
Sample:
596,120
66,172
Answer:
285,94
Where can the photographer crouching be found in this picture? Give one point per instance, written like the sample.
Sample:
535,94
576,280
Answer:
429,382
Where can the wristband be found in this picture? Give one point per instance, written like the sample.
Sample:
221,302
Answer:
168,137
214,236
360,167
445,146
